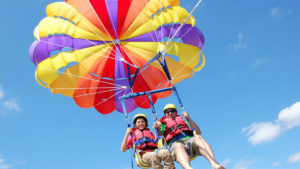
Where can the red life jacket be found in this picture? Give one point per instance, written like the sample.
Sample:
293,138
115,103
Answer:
144,139
175,128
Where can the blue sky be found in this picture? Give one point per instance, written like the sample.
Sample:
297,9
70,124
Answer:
245,99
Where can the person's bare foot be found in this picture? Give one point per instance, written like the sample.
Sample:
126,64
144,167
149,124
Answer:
218,166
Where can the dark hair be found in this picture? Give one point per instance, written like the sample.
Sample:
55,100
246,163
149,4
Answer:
141,117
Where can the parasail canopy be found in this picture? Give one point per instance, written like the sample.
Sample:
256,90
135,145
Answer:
99,50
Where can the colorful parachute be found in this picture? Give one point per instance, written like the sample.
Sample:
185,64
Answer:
98,50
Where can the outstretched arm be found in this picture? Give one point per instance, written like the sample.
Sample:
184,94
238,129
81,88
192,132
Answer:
193,124
124,142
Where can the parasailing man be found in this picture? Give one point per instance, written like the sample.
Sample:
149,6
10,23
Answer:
182,143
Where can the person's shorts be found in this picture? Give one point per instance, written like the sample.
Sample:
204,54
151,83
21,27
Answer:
189,145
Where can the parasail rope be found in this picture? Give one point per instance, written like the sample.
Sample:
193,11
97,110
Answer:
105,56
179,71
109,97
80,88
190,14
151,19
105,43
97,92
169,37
177,41
69,74
104,28
113,25
95,33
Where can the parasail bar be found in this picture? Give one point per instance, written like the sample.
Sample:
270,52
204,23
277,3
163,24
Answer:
145,93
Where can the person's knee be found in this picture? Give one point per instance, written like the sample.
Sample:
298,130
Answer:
164,155
198,137
199,141
164,152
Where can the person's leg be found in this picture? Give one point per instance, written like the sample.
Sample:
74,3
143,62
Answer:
181,156
206,145
152,158
205,153
165,156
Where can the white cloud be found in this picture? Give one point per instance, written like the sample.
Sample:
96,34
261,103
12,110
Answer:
226,162
240,44
259,62
276,12
290,116
244,164
276,164
294,158
1,92
2,164
7,105
261,132
11,104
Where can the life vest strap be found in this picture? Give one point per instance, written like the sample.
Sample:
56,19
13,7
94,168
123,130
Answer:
178,126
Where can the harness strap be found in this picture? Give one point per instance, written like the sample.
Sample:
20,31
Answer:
138,159
189,150
155,116
178,98
144,139
179,136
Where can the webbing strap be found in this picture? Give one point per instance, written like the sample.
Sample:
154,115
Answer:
165,67
152,106
154,114
178,98
179,136
137,143
138,159
132,166
189,147
125,112
152,60
133,151
131,82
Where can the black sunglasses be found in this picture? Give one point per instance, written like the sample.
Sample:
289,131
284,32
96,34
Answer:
170,111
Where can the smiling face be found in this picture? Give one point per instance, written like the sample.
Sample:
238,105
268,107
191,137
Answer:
171,113
140,123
